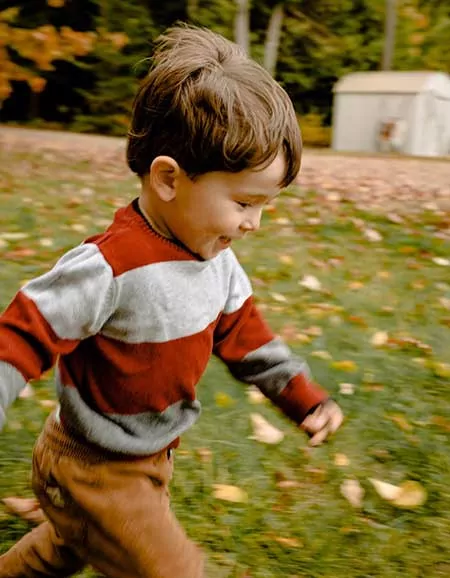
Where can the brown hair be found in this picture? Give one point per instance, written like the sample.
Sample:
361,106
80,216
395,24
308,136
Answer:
211,108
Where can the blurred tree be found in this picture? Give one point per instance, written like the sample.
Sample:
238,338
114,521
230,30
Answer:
28,54
125,30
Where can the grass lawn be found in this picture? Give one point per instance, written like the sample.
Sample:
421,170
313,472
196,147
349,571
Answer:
394,286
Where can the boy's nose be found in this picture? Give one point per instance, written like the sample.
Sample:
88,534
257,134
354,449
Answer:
252,222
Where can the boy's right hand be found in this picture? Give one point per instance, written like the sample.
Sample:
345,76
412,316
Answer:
323,422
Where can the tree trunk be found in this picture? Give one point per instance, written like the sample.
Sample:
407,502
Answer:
242,25
389,34
273,34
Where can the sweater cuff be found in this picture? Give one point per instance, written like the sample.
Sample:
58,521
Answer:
299,397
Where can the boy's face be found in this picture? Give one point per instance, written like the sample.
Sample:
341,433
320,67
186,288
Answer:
217,208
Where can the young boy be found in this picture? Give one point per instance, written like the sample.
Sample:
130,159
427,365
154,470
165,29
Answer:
133,315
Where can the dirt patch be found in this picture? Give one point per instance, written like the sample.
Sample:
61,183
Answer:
374,182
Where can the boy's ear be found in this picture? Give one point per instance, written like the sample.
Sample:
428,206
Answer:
163,175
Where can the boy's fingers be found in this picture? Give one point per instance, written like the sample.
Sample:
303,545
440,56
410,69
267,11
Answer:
319,437
336,419
316,421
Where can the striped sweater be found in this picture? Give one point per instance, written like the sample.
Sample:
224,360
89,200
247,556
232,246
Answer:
131,320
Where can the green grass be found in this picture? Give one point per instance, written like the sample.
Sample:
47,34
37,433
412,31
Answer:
397,421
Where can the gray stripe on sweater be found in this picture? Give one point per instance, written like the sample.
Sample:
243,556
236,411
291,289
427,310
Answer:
270,367
176,299
76,297
140,434
11,384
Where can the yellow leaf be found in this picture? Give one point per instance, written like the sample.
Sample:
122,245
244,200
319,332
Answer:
352,492
441,369
401,421
341,460
345,365
321,354
409,494
223,400
286,259
263,431
229,493
355,285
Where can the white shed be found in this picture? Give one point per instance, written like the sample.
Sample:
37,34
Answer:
408,112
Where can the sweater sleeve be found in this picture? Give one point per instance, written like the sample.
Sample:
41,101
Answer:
254,355
50,315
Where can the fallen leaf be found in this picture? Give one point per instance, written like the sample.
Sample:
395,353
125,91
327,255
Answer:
286,259
441,261
341,460
230,493
26,508
310,282
13,236
205,454
278,297
46,242
379,338
290,542
410,494
255,396
263,431
345,365
352,492
372,235
26,392
48,403
321,354
401,421
288,484
223,399
441,369
346,388
355,285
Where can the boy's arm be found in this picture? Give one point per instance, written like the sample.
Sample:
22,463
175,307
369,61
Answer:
50,315
254,355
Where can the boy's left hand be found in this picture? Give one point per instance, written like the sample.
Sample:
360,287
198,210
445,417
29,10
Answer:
323,422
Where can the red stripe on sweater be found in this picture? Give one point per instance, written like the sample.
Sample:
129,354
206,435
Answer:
117,377
299,397
239,333
130,243
27,341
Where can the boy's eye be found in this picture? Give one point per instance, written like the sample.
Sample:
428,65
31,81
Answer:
243,204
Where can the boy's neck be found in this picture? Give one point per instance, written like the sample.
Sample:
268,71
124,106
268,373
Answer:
147,213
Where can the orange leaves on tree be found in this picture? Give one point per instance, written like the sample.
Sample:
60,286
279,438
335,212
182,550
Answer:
42,46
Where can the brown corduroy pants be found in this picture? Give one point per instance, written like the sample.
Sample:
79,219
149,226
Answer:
104,511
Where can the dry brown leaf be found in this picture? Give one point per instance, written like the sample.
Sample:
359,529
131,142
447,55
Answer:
401,421
288,484
263,431
26,508
290,542
229,493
